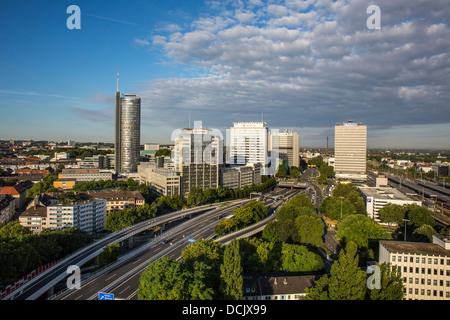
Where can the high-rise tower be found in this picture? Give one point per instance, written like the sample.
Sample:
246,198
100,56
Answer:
117,142
350,149
128,132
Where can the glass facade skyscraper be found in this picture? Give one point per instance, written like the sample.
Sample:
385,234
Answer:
128,133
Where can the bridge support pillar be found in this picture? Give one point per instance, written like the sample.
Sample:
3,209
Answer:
50,292
130,242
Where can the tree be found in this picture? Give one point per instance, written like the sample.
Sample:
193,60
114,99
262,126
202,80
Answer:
310,230
346,282
109,254
297,258
419,215
203,259
270,232
231,272
163,279
392,213
301,200
359,229
424,233
337,208
391,284
322,179
282,172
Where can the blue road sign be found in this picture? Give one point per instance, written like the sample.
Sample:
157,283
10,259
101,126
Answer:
105,296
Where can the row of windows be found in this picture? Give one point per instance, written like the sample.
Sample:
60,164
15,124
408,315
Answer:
424,270
422,292
428,281
418,259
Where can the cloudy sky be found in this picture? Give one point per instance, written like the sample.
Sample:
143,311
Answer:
297,64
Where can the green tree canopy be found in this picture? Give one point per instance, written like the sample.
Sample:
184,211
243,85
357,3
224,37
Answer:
231,272
346,282
297,258
359,229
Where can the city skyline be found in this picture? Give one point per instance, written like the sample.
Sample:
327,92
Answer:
300,65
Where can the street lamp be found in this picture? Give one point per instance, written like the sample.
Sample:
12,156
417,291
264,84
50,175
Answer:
406,220
341,206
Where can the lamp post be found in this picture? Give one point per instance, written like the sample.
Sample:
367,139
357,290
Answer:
341,206
406,220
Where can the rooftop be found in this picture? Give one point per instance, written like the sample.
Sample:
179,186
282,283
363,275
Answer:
415,248
35,211
116,195
263,286
384,193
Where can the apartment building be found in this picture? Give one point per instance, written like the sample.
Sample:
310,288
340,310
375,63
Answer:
87,216
425,267
34,218
119,200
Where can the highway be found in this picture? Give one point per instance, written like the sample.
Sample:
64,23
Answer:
123,279
35,288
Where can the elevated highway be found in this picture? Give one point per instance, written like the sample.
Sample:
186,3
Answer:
47,280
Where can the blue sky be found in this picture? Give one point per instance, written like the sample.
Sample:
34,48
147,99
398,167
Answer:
299,64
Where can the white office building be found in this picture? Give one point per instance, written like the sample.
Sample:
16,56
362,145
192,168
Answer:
248,143
288,143
425,267
377,197
350,150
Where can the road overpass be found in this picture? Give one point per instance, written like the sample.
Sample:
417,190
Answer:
36,287
122,278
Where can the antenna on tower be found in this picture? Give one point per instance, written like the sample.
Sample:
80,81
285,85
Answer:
117,80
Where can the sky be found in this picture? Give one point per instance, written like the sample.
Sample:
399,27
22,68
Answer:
295,64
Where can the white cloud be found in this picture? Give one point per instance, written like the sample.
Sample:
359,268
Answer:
141,42
312,63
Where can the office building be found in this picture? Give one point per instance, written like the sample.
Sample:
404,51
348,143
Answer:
288,144
197,154
440,169
127,132
350,150
163,181
83,175
425,267
239,177
376,198
248,143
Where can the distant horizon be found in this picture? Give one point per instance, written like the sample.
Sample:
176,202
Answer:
172,143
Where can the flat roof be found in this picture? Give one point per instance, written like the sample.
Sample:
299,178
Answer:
415,248
387,193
